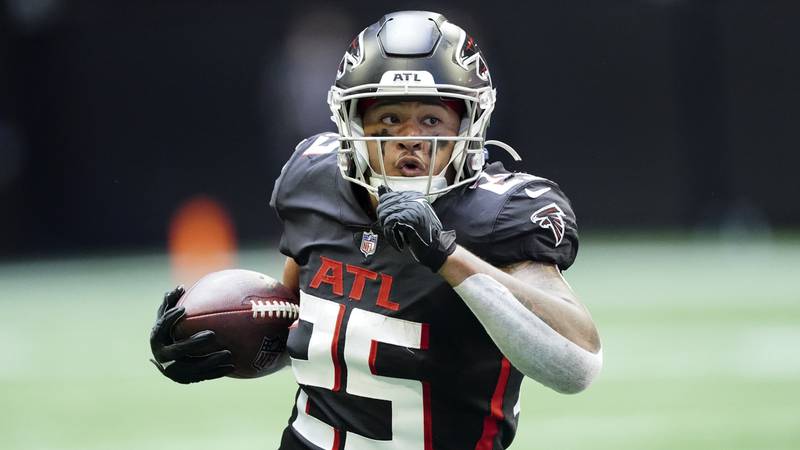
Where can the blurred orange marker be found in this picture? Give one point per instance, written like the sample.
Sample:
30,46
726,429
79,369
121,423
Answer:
202,239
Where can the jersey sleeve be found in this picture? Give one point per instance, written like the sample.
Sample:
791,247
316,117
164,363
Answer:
537,223
521,218
308,171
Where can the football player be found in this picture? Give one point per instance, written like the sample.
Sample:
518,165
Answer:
430,281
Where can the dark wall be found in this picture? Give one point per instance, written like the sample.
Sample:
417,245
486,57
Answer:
667,114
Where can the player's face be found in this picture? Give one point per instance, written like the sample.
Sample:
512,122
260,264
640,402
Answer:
410,158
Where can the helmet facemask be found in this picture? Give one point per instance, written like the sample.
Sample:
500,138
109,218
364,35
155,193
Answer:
465,162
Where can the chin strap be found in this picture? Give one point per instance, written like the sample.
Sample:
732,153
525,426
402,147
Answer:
416,184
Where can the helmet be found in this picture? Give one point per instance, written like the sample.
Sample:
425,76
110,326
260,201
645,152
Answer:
413,54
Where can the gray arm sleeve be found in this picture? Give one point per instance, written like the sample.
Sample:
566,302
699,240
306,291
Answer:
531,346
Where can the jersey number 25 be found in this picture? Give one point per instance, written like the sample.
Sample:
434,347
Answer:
363,332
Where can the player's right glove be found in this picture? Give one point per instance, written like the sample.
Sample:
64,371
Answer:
175,359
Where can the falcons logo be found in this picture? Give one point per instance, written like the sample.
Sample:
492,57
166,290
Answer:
470,53
551,217
353,57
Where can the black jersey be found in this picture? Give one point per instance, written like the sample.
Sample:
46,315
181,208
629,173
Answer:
386,354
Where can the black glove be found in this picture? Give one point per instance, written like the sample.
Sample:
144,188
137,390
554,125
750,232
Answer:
175,359
406,218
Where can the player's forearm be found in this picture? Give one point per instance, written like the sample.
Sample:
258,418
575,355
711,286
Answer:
530,344
555,305
291,276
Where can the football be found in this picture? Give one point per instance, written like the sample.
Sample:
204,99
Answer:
249,312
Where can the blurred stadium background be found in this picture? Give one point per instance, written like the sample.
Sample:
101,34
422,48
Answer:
130,129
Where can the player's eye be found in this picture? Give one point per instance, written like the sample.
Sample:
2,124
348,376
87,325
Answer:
390,119
431,121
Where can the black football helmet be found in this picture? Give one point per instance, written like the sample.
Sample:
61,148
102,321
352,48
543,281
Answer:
413,54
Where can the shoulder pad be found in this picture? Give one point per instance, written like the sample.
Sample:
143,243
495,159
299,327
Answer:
319,144
511,217
307,156
310,194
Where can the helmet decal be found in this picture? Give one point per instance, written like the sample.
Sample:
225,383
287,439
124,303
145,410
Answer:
470,54
353,57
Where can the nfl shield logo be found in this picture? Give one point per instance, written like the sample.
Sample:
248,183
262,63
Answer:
369,242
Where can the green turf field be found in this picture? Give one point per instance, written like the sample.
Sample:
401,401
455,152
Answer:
701,352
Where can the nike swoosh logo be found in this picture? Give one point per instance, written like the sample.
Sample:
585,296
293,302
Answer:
537,193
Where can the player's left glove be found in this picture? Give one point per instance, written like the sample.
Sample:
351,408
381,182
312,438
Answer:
406,219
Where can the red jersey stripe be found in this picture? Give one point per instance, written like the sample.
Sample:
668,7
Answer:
490,422
373,353
337,365
425,336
